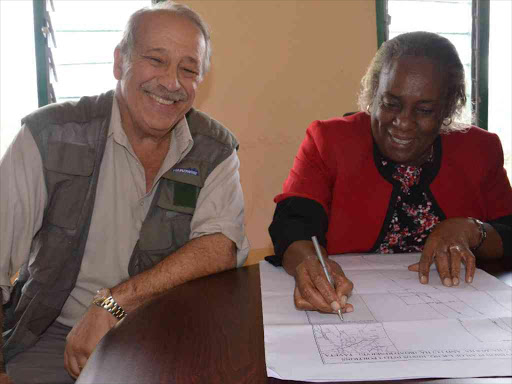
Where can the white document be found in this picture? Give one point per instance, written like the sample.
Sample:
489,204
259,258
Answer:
399,329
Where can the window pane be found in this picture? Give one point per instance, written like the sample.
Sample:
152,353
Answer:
87,33
18,95
449,18
500,78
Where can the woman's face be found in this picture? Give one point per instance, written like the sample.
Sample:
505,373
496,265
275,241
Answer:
406,115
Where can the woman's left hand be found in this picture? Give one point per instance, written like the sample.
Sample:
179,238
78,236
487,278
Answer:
448,246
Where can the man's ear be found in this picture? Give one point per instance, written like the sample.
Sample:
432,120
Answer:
118,64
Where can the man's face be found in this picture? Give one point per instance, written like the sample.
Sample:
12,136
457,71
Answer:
157,87
406,115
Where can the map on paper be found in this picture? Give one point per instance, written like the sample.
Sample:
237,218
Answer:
429,330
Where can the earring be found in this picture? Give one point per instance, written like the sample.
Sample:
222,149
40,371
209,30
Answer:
447,121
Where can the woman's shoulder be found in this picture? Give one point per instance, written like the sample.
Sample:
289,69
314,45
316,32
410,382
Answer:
473,137
472,146
356,125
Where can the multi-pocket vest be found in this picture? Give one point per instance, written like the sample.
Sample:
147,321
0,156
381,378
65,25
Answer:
71,138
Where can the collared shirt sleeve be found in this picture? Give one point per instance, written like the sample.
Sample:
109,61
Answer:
220,207
22,202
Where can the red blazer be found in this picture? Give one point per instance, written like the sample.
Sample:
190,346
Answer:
335,167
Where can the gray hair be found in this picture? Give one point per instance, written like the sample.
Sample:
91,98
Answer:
421,44
127,43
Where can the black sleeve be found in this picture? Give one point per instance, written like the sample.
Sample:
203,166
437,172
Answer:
296,218
503,226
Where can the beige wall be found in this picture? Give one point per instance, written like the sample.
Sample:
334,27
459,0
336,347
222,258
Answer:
277,66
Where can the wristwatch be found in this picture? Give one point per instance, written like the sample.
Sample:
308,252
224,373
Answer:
104,299
483,233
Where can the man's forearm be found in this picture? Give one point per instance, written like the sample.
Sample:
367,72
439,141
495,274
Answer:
199,257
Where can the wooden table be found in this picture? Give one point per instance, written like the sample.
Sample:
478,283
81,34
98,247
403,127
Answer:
206,331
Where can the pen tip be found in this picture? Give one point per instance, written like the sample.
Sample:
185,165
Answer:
340,315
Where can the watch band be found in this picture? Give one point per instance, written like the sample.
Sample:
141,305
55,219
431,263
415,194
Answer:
483,233
105,300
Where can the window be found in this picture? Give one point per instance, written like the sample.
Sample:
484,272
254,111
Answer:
17,68
500,76
481,32
457,30
85,33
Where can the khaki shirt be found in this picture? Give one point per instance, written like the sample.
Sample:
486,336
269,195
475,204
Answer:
120,208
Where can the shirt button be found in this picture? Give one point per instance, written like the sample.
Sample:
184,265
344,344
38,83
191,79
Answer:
141,203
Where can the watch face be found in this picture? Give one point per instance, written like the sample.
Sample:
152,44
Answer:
102,294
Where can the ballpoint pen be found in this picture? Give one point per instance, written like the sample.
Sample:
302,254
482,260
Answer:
327,274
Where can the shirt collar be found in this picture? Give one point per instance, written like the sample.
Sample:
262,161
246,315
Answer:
181,138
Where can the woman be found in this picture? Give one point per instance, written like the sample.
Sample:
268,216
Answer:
400,176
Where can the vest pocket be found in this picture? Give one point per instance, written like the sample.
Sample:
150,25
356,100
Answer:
181,186
68,171
179,197
166,230
167,224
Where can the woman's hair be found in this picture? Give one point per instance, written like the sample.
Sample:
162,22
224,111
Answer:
127,43
421,44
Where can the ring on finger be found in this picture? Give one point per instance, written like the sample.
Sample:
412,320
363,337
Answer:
455,248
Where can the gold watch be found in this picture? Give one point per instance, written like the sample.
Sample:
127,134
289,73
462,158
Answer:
104,299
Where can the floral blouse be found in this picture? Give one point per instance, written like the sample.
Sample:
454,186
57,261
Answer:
412,212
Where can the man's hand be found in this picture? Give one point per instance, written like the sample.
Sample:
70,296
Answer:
4,379
313,291
448,246
84,336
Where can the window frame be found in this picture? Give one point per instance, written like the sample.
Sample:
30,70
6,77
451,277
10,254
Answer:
479,54
41,35
41,44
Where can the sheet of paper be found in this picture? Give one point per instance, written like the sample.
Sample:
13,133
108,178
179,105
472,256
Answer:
399,329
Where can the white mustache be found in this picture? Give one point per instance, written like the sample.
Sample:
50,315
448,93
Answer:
164,93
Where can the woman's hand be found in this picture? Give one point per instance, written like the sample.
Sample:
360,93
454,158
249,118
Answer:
313,291
448,246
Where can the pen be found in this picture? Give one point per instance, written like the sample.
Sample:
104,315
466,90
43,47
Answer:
321,259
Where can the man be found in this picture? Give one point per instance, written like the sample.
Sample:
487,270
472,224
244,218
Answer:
110,202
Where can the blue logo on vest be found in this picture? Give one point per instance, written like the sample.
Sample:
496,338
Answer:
189,171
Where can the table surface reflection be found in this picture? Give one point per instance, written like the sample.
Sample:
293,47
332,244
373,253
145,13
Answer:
208,330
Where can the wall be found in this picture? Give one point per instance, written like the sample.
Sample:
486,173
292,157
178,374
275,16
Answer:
277,66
